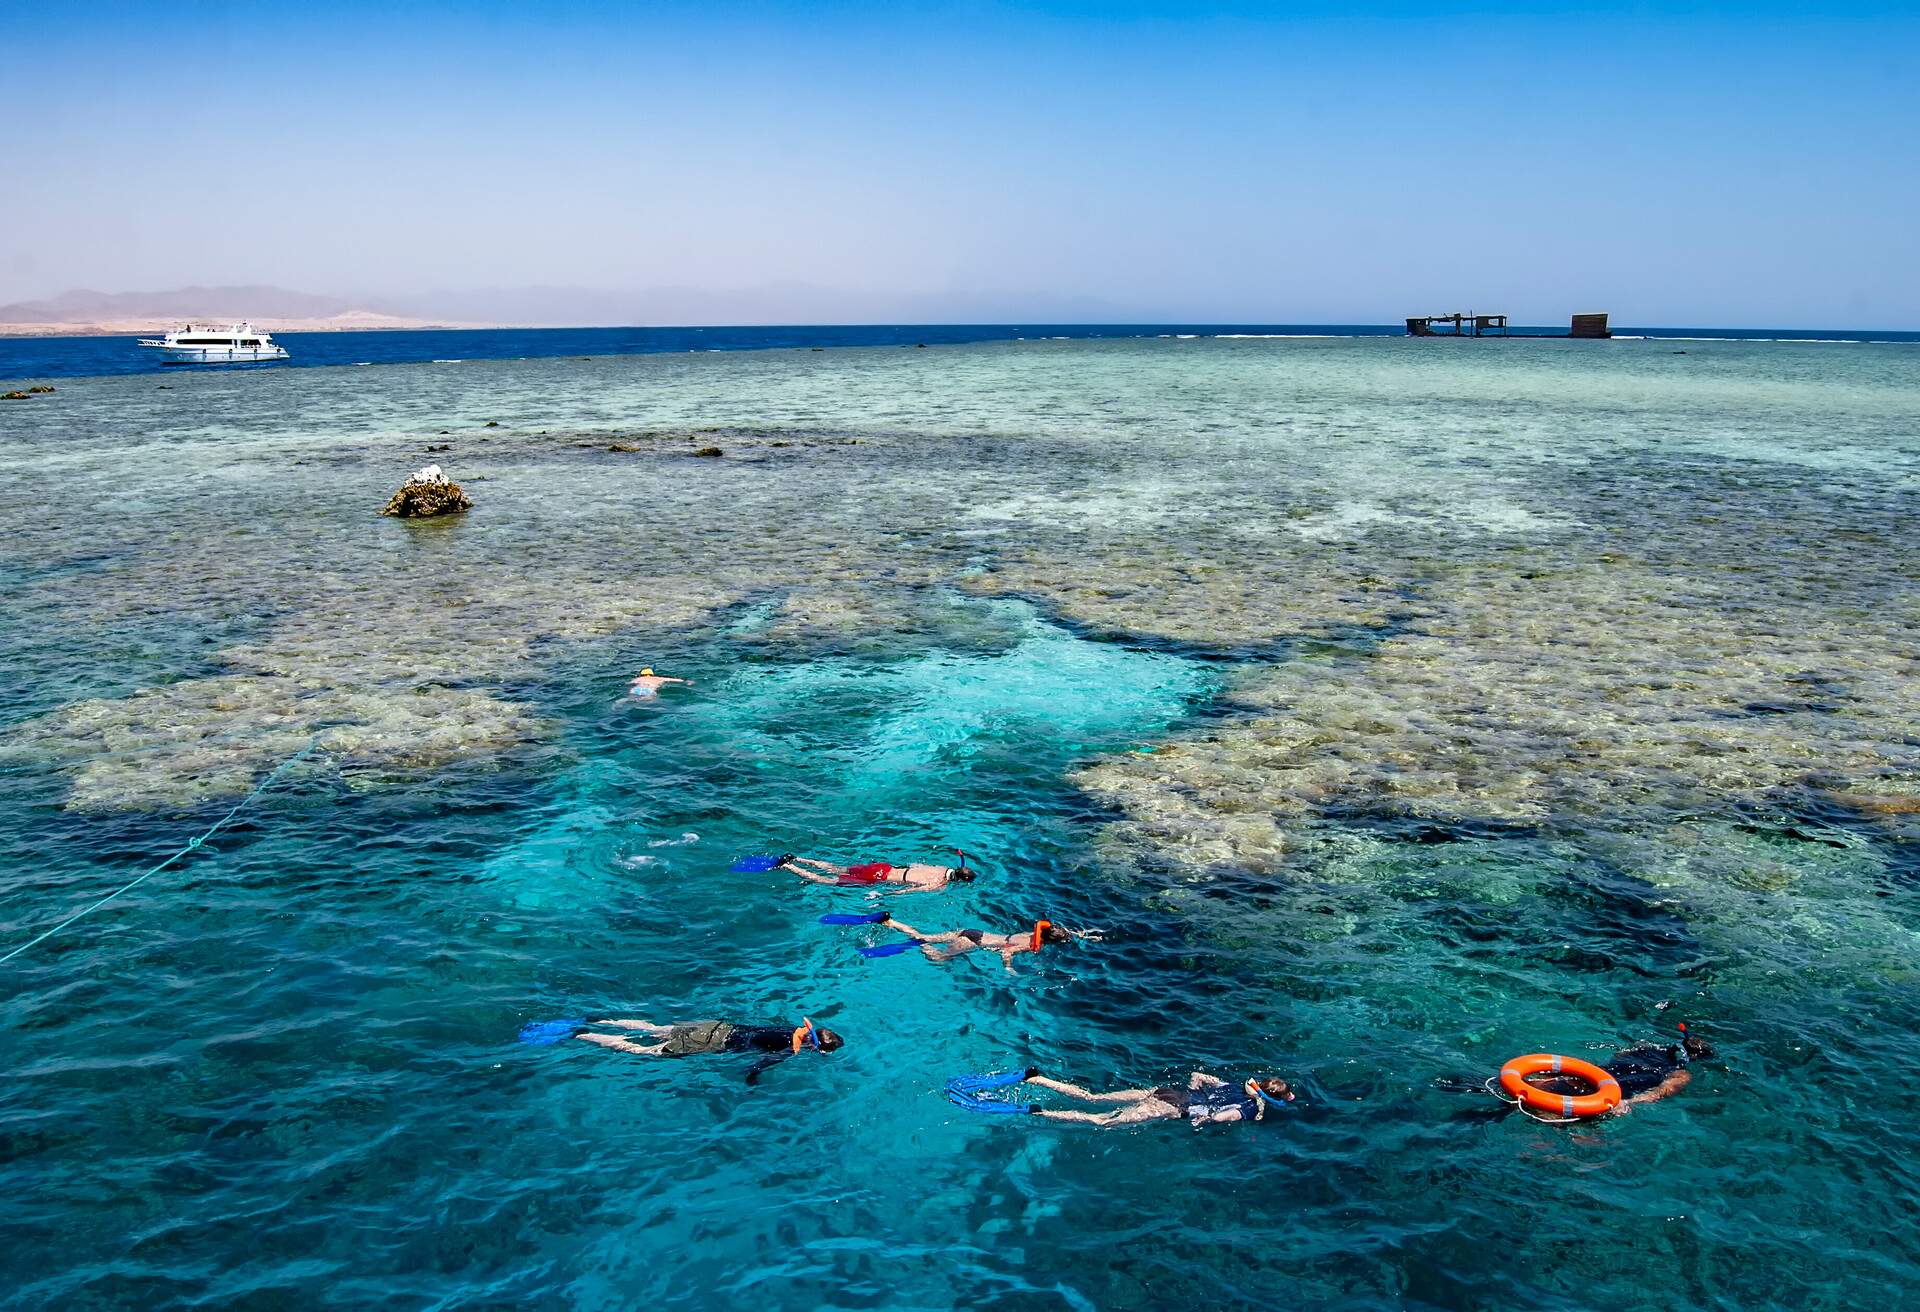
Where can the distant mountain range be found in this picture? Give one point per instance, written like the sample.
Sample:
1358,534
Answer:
769,303
774,303
182,303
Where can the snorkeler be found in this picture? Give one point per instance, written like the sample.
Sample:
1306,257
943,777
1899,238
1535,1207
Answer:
1205,1100
648,684
958,942
1645,1072
911,879
779,1042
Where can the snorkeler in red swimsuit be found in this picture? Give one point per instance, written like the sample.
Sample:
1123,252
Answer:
874,874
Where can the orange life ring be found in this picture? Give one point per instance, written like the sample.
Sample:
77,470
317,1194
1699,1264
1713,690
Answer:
1604,1098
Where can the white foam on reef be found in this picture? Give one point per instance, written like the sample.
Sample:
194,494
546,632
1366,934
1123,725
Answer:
1138,504
1343,519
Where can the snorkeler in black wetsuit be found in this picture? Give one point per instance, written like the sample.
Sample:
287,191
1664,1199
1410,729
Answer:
709,1036
1646,1072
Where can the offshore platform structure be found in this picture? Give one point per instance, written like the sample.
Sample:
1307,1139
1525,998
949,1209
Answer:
1495,325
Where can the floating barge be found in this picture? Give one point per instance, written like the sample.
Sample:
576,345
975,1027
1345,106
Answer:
1495,325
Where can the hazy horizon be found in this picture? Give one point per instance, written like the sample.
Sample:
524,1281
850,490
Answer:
1134,163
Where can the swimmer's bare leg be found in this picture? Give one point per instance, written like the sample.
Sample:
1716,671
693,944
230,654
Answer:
1118,1116
645,1025
793,863
619,1044
1088,1095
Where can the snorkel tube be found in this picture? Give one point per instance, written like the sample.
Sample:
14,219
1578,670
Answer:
1253,1087
1040,927
806,1034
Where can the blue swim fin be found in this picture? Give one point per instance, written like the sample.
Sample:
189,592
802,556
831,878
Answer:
980,1083
757,865
965,1090
891,949
545,1033
989,1105
849,918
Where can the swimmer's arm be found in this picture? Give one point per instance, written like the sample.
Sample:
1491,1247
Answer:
1202,1080
753,1071
1666,1088
1006,957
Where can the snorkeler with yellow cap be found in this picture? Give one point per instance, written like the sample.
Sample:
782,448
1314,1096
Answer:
648,684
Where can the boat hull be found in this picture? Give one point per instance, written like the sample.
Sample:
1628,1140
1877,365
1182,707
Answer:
220,354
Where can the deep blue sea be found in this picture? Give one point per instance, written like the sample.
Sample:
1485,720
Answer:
1390,707
70,357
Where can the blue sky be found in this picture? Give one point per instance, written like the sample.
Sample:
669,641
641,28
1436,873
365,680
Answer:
1675,164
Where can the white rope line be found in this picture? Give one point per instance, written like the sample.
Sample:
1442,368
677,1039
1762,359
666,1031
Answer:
192,846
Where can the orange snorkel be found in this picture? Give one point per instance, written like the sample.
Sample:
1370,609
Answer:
805,1034
1040,927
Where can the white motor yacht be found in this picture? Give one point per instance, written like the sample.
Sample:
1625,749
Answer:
238,343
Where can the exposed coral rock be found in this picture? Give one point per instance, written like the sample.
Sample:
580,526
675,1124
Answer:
709,451
426,494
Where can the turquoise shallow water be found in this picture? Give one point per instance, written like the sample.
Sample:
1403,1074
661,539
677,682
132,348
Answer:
1393,708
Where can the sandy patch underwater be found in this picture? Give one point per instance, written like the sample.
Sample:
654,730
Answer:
1394,706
